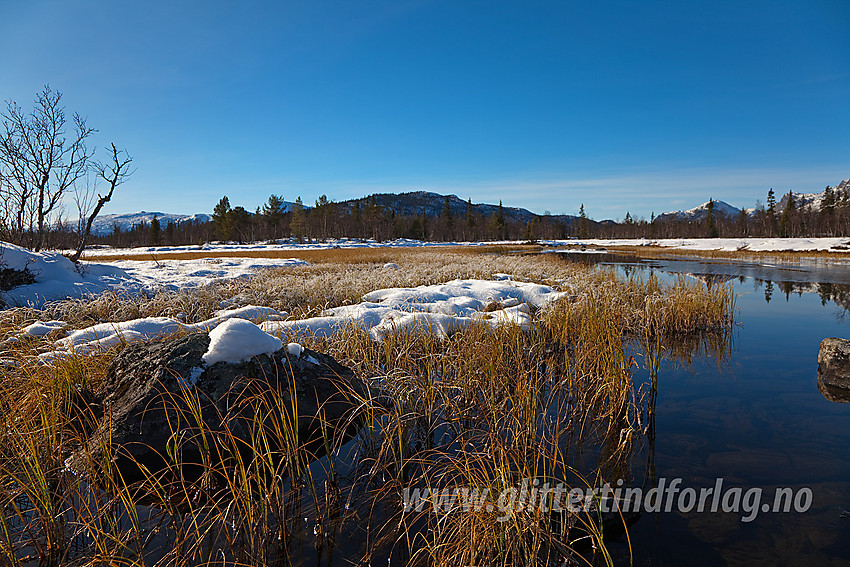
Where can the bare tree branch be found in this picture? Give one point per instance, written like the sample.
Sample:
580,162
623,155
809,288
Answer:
114,174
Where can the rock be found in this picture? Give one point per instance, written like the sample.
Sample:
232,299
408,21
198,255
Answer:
834,369
837,395
145,407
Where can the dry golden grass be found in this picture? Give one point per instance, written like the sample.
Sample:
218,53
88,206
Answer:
482,408
336,255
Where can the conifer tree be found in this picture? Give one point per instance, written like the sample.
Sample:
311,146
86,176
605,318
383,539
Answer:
582,223
155,232
221,219
771,212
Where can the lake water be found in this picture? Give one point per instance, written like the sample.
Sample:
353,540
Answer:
756,420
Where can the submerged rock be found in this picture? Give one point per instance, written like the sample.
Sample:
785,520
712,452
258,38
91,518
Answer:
834,369
156,394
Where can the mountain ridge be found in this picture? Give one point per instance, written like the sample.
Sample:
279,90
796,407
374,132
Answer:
414,203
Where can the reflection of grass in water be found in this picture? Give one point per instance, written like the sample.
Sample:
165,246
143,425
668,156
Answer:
481,409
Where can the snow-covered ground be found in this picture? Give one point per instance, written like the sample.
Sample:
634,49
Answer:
56,277
439,308
728,244
182,273
274,246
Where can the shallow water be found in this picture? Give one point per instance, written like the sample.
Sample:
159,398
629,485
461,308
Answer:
756,420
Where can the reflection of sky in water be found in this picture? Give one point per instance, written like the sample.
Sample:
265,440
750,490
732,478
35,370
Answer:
757,420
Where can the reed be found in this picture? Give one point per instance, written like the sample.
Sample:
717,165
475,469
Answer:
482,409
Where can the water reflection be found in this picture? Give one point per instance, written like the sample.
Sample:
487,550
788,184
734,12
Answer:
761,421
837,294
827,279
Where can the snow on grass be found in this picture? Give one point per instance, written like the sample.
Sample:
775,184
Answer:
41,328
238,340
439,309
101,337
173,274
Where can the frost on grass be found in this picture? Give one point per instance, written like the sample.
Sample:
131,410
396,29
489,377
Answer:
238,340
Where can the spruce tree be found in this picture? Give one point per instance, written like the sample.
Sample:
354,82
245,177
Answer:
582,222
448,221
787,216
470,221
771,212
298,222
155,232
710,224
220,218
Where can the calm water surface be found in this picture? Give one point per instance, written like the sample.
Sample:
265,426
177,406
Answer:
756,419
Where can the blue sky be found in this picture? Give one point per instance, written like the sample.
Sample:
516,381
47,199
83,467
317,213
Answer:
623,106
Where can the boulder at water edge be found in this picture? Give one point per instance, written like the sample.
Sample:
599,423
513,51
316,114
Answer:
154,394
834,369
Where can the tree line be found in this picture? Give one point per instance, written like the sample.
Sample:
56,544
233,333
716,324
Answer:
325,219
789,218
365,218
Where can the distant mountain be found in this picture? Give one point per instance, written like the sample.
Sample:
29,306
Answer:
810,200
699,214
431,204
104,224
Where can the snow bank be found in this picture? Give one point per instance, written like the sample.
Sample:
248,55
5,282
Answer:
439,309
56,277
237,340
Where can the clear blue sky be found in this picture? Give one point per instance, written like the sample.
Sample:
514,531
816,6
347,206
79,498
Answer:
623,106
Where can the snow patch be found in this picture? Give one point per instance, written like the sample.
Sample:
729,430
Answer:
41,328
101,337
294,349
238,340
56,277
439,309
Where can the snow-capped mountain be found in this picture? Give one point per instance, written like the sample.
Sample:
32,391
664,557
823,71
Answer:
721,208
104,224
813,201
